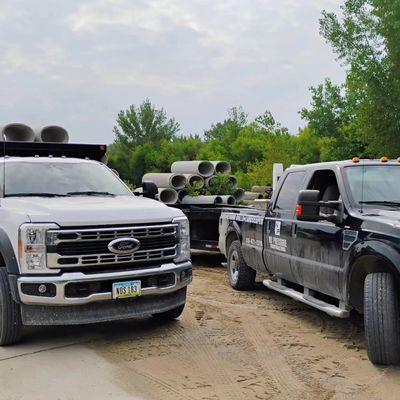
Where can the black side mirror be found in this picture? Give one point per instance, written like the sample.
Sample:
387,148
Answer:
308,208
150,190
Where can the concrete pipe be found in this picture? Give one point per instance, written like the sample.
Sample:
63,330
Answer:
203,168
202,200
228,200
51,134
239,195
17,133
221,167
209,181
165,180
261,189
195,181
252,196
181,194
167,195
233,181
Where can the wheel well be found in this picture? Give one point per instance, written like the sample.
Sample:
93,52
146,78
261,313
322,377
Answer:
360,269
231,237
2,262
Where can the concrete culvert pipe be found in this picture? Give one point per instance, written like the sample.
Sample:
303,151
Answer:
261,189
239,195
17,133
209,181
252,196
221,167
193,180
228,200
181,194
52,134
202,200
165,180
203,168
233,181
167,195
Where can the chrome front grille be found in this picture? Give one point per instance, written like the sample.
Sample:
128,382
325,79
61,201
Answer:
89,247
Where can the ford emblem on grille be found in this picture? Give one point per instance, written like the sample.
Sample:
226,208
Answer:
124,246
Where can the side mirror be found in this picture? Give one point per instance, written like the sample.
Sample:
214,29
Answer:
308,208
150,190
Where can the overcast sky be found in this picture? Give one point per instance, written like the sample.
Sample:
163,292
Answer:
77,63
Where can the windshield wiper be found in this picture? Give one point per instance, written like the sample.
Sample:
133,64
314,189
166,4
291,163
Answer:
90,193
32,194
382,202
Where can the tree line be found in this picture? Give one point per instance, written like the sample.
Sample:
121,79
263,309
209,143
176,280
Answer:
358,117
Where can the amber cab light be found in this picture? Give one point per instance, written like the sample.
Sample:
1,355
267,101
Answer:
356,160
299,210
384,159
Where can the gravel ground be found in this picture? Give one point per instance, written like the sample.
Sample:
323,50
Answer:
227,345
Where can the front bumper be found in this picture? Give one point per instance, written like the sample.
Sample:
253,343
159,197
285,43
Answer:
59,284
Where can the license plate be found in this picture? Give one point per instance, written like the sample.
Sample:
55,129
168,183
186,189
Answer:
126,290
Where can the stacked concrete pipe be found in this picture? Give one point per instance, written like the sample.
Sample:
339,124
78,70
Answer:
202,200
166,180
52,134
202,168
195,181
17,132
167,195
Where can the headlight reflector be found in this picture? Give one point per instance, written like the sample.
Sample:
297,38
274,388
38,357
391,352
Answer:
183,234
32,247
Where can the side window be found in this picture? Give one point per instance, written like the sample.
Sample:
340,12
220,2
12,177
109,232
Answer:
325,181
290,191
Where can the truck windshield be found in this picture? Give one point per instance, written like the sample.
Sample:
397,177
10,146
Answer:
24,178
375,184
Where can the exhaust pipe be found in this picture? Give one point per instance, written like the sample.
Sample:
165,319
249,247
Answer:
195,181
239,195
17,133
167,195
165,180
52,134
202,200
230,200
221,167
203,168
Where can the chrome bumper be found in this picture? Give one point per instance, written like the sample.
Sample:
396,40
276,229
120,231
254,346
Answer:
60,282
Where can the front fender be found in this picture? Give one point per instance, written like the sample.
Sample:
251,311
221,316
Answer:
7,251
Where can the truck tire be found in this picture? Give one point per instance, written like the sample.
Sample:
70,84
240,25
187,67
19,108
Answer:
10,314
170,314
241,276
381,318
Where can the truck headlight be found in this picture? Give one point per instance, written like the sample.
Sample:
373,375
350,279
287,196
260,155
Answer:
183,234
32,247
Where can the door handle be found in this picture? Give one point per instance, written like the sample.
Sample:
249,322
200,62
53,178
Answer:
294,230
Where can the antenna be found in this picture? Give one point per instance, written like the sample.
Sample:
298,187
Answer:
4,165
362,186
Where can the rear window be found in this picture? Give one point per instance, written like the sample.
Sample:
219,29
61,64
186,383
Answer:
289,192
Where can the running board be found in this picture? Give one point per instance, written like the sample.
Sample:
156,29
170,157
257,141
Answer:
307,297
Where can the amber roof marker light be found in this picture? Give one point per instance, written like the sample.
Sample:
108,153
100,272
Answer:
384,159
356,160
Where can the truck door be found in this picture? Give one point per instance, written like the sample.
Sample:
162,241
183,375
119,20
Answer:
317,246
279,224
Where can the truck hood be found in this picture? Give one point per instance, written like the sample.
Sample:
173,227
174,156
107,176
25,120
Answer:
91,210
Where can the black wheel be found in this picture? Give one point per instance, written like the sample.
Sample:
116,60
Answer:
170,314
381,318
10,314
241,276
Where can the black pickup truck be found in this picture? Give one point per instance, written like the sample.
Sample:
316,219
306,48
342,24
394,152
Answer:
331,239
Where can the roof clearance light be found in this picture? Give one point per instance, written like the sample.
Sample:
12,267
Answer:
398,159
356,160
384,159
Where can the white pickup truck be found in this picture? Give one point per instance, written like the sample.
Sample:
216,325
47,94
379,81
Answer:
77,246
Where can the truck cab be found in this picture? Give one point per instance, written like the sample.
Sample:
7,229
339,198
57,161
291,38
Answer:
331,239
77,246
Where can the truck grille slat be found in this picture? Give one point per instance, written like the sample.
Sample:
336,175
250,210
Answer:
86,247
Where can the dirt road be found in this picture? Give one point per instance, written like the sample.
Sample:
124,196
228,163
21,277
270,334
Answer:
228,345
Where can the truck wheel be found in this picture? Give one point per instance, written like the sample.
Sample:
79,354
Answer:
241,276
381,318
10,314
170,314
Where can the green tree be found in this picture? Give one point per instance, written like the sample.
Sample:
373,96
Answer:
138,125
